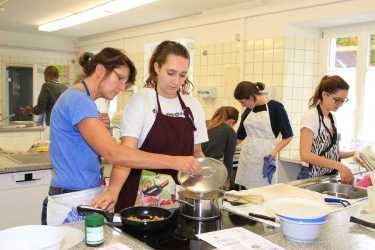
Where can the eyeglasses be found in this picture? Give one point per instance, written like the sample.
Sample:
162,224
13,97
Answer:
120,77
340,100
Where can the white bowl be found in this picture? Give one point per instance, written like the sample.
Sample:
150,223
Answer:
31,237
301,231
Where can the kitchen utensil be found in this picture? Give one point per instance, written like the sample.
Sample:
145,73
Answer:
200,197
363,222
200,207
31,237
138,212
261,216
212,177
343,202
304,232
298,209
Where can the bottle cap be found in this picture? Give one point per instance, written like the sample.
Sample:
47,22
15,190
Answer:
94,220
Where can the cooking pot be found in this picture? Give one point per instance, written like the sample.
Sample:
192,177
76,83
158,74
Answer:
145,214
200,198
200,207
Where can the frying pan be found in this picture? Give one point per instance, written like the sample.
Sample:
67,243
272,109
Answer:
140,212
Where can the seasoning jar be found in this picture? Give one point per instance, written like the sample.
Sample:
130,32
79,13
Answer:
94,230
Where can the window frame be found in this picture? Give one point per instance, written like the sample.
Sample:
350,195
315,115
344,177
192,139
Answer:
363,32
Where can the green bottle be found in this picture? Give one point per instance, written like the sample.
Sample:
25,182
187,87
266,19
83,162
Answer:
94,230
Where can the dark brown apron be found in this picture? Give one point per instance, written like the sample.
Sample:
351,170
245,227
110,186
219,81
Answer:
168,135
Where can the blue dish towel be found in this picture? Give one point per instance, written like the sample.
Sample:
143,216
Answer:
269,168
73,216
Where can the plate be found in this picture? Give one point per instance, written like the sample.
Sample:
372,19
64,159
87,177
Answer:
298,208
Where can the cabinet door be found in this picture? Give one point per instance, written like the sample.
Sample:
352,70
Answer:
21,196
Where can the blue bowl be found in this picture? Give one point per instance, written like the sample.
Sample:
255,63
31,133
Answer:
302,220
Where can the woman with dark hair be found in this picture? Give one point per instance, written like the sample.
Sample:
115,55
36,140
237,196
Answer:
78,137
261,123
222,139
319,144
162,119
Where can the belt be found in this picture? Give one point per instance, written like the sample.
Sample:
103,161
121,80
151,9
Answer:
57,190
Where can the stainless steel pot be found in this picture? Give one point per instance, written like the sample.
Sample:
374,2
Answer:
201,197
200,207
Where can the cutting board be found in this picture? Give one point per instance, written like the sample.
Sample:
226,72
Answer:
276,191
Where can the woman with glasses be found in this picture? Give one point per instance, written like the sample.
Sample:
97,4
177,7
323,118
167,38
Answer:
319,144
78,137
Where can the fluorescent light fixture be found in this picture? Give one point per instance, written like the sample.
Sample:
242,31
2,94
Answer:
103,10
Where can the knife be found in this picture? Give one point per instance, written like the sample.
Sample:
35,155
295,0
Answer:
361,222
264,217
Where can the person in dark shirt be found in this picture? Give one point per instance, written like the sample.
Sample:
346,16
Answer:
261,123
222,139
50,92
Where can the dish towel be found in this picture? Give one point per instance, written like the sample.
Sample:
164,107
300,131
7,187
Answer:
269,168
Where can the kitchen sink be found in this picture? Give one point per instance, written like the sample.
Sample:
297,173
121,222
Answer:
338,190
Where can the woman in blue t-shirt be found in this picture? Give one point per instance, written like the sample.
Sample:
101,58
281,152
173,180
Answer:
78,137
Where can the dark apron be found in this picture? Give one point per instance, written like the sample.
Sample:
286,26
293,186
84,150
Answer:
168,135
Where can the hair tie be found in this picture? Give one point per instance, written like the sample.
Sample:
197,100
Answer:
90,56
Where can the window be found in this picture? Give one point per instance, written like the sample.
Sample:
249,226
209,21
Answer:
343,62
367,132
353,58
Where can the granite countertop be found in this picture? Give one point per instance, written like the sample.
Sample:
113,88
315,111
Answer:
337,234
17,128
21,162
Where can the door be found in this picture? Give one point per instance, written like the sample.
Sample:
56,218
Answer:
20,89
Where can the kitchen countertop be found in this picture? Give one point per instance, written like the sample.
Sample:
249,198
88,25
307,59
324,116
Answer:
337,234
21,162
15,128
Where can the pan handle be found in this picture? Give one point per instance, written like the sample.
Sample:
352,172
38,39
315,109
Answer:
85,210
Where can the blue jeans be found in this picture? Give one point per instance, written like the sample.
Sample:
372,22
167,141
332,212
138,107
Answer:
52,191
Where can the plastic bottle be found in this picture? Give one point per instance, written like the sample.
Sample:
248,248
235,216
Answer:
94,230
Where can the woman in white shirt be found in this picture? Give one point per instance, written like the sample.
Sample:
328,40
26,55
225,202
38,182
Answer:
159,118
319,145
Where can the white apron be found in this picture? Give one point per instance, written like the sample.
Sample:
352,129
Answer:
259,142
59,206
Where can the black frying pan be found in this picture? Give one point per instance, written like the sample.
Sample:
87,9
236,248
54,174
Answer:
145,213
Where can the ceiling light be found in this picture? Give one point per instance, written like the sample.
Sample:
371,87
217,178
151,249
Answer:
103,10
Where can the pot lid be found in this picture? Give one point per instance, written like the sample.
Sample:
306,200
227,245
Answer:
212,177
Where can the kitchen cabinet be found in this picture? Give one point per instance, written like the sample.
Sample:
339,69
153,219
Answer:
21,195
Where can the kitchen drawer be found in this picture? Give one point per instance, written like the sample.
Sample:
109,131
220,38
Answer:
24,179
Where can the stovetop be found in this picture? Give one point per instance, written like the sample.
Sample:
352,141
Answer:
180,235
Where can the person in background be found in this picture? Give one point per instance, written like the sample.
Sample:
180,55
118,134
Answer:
222,139
319,144
78,136
160,118
261,123
50,92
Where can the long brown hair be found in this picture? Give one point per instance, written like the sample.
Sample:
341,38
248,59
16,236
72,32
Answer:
246,89
329,84
159,56
221,115
110,58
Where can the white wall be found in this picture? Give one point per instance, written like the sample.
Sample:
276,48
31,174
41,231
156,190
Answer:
278,44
